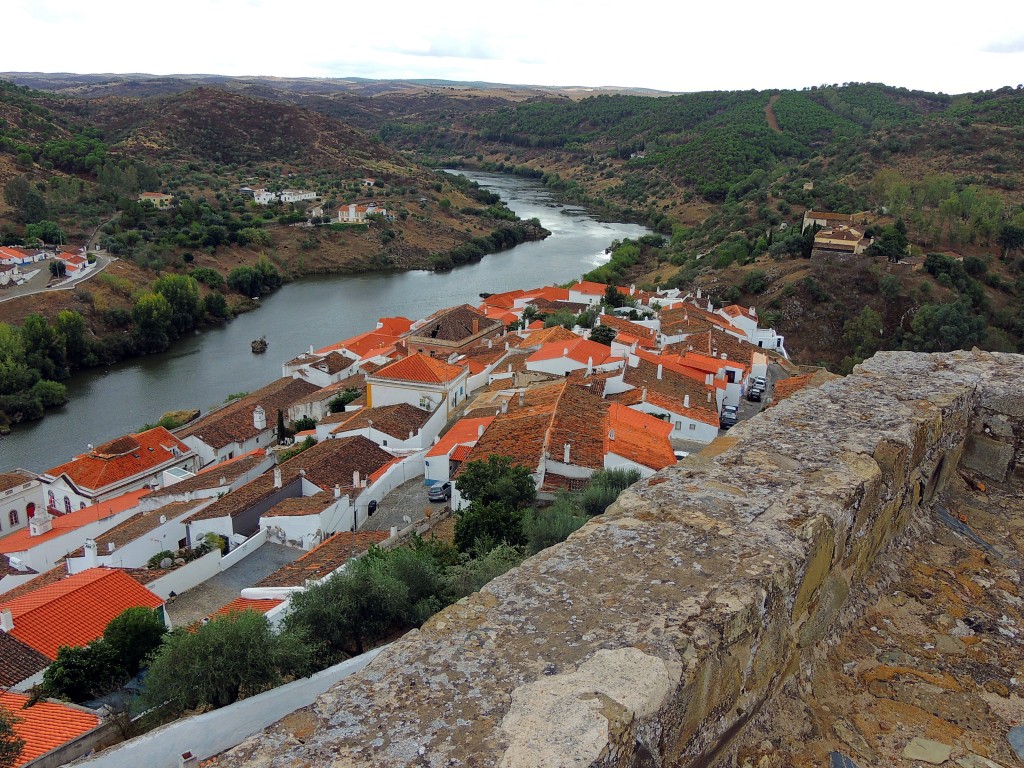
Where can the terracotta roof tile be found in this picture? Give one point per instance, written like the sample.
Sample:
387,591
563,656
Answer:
420,368
15,478
579,350
547,335
246,604
107,465
462,432
137,526
211,476
639,437
454,324
234,422
590,288
324,559
18,661
301,506
46,725
75,610
22,539
395,420
646,335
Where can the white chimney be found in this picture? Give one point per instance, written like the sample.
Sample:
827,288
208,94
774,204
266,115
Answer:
522,398
632,289
725,356
711,307
394,532
223,481
355,478
659,371
686,401
565,351
611,434
277,477
510,367
490,344
111,546
163,519
259,418
504,406
709,396
698,293
643,395
507,347
565,453
479,431
337,491
311,349
753,311
709,379
6,620
91,552
590,365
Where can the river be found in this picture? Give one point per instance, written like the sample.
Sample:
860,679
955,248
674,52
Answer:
202,370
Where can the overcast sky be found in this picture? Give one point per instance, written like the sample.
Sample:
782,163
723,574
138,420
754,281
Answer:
675,46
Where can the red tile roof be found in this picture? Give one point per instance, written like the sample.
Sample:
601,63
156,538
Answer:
420,368
22,539
107,465
454,324
579,350
395,420
463,432
645,335
75,610
590,288
15,478
461,452
45,725
246,604
548,335
324,559
639,437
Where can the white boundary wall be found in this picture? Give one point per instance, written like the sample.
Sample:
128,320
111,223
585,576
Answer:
214,732
186,576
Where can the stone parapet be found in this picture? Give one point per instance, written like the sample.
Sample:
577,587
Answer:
655,632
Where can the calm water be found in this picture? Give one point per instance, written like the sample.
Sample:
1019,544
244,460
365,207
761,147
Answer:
201,371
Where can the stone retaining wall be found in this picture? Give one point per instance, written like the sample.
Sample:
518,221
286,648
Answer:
655,632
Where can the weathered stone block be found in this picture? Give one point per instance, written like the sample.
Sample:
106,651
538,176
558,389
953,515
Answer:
987,456
831,596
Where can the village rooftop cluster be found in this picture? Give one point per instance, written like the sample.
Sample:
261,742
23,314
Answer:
405,401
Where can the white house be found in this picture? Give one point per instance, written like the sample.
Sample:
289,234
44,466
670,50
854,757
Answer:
399,429
263,196
322,370
20,496
419,380
354,213
445,456
296,195
745,320
114,468
562,357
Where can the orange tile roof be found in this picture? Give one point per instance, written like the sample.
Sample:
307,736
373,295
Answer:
463,431
639,437
397,420
580,350
646,335
550,293
14,478
461,452
22,539
246,604
420,368
453,324
536,325
45,725
590,288
547,335
75,610
735,310
126,457
324,558
506,300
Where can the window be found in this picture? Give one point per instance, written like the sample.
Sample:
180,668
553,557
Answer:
12,517
693,426
679,425
67,505
51,500
30,510
81,505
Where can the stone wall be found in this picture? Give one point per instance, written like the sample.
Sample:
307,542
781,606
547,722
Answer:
654,633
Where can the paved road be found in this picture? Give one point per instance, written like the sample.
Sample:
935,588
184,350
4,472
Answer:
40,283
407,500
206,598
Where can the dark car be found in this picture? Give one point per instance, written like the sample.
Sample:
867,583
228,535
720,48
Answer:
755,394
439,492
730,415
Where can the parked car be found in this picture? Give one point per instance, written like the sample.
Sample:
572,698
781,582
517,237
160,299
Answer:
730,415
758,381
439,492
755,394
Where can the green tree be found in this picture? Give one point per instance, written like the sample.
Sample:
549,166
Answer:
44,348
469,577
344,614
133,635
755,282
945,327
218,663
246,281
182,294
15,374
11,744
1010,238
45,231
484,525
613,298
82,673
546,527
58,268
152,314
70,325
337,404
864,333
215,305
565,319
603,334
29,205
50,394
497,479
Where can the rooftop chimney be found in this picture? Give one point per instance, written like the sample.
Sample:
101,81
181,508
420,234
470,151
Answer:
611,434
698,293
504,406
6,620
709,379
753,311
311,349
565,453
259,418
643,395
725,356
709,395
659,371
632,289
163,519
277,477
479,431
490,343
476,325
565,351
111,546
337,491
686,401
522,397
355,478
